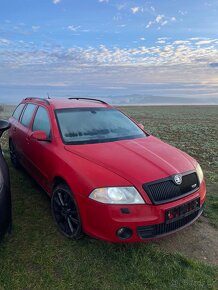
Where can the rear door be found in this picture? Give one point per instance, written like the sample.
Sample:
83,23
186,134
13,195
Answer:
14,120
40,153
22,129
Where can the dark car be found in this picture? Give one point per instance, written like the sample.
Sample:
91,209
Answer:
5,191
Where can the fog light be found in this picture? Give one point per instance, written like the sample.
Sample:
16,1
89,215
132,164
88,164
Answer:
124,233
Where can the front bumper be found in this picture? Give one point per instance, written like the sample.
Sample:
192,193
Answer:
159,230
145,221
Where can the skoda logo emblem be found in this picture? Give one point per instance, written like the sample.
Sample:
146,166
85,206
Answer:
178,179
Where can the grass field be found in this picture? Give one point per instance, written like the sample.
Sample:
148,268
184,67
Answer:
36,256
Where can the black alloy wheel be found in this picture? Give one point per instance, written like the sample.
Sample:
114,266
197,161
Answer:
65,212
13,155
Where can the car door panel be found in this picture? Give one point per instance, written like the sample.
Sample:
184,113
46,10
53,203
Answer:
39,152
22,133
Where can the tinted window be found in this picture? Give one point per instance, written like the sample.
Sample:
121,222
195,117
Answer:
17,111
95,125
27,115
41,121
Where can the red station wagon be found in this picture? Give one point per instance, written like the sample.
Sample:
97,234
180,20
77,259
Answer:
105,175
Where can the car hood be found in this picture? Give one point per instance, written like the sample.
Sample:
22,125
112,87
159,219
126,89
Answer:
138,160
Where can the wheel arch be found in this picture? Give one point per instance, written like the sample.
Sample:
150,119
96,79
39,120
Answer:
59,180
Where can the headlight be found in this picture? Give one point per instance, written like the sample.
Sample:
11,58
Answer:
199,173
117,195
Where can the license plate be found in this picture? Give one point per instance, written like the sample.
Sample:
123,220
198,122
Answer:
178,212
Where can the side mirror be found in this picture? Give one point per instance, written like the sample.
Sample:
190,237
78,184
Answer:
39,135
141,126
4,125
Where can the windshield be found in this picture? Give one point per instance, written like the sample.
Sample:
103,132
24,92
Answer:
95,125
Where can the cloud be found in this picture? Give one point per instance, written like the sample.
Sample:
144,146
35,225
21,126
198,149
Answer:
135,9
161,41
56,1
164,38
164,22
103,1
181,42
197,38
121,6
202,42
128,7
171,68
35,28
160,20
4,42
118,17
149,24
175,60
179,52
73,28
19,28
183,13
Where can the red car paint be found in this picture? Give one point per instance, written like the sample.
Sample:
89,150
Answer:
89,166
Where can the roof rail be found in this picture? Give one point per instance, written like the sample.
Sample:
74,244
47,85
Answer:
89,99
39,99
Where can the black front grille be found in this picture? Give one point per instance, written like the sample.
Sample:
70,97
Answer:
166,190
146,232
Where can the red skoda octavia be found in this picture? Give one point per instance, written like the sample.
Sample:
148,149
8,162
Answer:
106,176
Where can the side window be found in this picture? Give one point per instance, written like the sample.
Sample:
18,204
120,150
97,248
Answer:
18,111
27,115
41,122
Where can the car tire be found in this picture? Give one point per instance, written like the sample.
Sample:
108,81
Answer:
13,155
66,213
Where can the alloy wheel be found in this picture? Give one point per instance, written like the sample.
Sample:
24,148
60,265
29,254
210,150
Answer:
65,213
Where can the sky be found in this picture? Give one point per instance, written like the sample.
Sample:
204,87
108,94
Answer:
165,50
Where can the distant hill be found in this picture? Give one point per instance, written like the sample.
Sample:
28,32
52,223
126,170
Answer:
159,100
132,99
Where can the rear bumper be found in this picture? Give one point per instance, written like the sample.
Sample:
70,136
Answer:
146,221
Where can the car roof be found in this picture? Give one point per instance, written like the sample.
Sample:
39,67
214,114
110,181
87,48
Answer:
64,103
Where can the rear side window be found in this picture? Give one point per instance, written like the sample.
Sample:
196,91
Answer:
18,111
28,114
41,122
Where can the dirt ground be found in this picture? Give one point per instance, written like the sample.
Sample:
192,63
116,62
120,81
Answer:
198,241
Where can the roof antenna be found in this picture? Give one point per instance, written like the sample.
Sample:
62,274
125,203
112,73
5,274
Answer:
48,96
